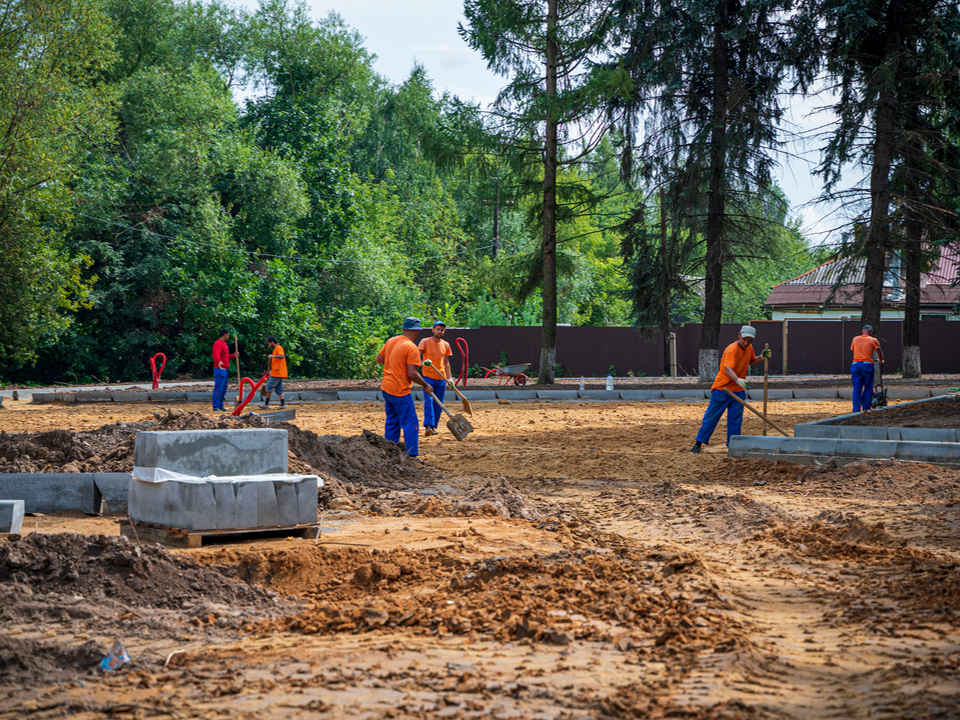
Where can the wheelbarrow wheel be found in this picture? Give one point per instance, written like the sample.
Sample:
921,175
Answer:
520,380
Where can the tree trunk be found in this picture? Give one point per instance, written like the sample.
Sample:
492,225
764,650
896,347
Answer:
667,269
548,345
884,138
911,315
709,359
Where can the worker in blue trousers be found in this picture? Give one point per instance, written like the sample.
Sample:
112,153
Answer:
734,365
861,371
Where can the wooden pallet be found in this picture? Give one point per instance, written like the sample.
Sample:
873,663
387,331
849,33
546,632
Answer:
180,538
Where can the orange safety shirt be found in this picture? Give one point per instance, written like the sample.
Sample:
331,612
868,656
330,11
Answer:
737,358
435,352
863,347
398,352
278,366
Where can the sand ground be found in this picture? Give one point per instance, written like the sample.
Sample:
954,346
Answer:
646,582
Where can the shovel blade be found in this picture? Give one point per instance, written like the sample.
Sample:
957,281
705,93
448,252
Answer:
459,427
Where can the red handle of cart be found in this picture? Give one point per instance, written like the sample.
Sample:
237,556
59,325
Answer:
153,369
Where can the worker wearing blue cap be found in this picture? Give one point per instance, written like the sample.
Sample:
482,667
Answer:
400,358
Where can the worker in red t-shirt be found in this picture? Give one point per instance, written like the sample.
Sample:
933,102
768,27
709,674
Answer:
861,371
400,358
734,365
221,369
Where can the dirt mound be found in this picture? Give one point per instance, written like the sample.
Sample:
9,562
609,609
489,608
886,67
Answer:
555,599
46,662
834,535
367,460
113,568
941,413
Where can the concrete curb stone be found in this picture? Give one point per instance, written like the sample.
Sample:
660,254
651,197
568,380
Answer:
641,395
11,516
516,394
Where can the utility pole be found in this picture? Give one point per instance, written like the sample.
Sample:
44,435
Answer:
496,221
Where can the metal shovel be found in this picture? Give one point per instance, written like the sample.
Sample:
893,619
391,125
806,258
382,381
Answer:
466,403
458,425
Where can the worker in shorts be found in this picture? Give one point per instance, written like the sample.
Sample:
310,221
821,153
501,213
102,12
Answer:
734,365
861,371
400,358
438,351
278,371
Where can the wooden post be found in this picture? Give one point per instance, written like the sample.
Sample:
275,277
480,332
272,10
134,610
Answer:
766,372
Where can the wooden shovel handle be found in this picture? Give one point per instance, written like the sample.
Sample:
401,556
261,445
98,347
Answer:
750,407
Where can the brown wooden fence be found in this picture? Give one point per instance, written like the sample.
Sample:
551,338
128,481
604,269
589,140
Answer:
799,347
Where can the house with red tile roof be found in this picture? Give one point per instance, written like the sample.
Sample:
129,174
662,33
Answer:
834,291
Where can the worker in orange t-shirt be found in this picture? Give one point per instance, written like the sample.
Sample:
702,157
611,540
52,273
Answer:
734,365
400,358
278,371
438,351
861,371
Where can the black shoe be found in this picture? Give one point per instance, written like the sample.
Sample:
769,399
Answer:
695,449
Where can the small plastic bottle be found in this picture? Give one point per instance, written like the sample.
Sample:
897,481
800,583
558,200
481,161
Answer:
581,382
609,382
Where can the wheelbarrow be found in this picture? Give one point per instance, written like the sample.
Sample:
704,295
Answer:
510,373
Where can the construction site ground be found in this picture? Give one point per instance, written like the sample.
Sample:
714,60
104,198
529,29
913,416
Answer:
567,560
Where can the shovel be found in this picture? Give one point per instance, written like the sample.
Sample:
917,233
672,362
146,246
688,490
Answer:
458,425
750,407
466,403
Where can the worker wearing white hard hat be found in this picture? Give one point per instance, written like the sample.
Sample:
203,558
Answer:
734,365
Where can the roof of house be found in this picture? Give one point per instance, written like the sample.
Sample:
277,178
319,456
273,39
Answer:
840,283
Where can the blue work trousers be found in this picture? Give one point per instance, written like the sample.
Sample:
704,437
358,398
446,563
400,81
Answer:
862,375
402,415
220,376
431,410
720,401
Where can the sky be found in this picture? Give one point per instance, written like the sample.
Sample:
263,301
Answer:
403,32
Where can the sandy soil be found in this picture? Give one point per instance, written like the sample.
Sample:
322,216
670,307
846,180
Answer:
634,580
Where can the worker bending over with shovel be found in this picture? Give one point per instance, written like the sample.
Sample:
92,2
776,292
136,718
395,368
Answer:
736,361
400,358
437,351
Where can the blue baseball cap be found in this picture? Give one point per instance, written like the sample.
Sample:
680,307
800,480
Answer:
439,322
412,323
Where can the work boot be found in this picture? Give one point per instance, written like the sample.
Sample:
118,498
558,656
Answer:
428,431
695,449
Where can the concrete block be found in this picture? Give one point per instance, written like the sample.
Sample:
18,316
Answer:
816,393
942,435
197,508
814,430
599,394
854,432
278,416
114,488
478,395
640,395
322,395
43,397
287,505
168,397
201,396
692,395
940,453
50,492
845,393
934,392
908,393
516,394
742,445
93,397
200,453
756,394
11,516
557,394
307,500
131,397
153,503
246,494
65,397
808,446
225,512
358,395
267,514
872,449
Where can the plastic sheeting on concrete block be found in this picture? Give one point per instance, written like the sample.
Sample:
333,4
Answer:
11,516
259,451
